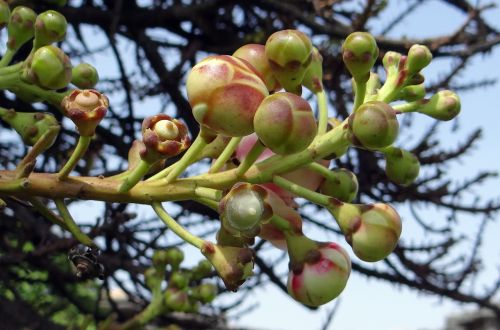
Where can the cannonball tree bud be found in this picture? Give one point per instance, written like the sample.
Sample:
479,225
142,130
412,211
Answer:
163,137
205,292
179,280
233,264
237,239
50,27
321,275
289,53
401,166
412,93
174,257
85,108
313,78
159,259
50,68
285,123
4,14
359,53
20,27
372,230
203,269
224,92
444,105
391,61
84,76
419,57
374,125
31,126
341,184
153,278
176,300
134,158
255,55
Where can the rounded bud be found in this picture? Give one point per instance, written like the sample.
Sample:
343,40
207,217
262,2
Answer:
84,76
4,14
50,26
174,257
20,27
412,93
401,166
444,105
313,78
289,53
322,277
50,68
374,125
391,61
159,258
202,269
341,184
205,292
359,53
176,300
224,92
86,108
255,54
419,57
285,123
31,126
179,280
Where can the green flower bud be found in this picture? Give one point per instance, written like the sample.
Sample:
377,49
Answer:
391,61
203,269
176,300
20,27
179,280
372,230
50,68
313,78
31,126
359,53
444,105
174,257
85,108
159,259
374,125
153,278
419,57
401,166
50,27
205,292
255,54
4,14
84,76
224,92
289,53
412,93
341,184
285,123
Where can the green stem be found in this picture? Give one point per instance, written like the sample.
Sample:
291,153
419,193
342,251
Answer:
296,189
298,247
7,57
207,202
81,148
47,213
177,228
134,176
186,160
250,158
11,69
322,112
407,107
225,155
281,223
71,224
163,173
208,193
360,93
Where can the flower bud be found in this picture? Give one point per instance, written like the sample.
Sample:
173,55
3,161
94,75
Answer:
359,53
412,93
313,78
163,137
85,108
341,184
255,54
84,76
153,278
50,27
203,269
4,14
174,257
401,166
233,264
176,300
205,292
285,123
372,230
50,68
179,280
160,259
289,53
224,92
134,158
444,105
20,27
31,126
419,57
391,62
321,277
374,125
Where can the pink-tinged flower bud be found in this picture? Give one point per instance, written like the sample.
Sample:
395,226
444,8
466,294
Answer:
444,105
341,184
401,166
233,264
163,137
392,62
50,68
243,210
419,57
289,53
4,14
20,27
285,123
176,300
84,76
86,108
412,93
50,27
255,54
313,78
321,277
359,53
374,125
224,92
372,230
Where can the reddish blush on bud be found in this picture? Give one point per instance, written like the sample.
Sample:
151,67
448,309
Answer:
85,108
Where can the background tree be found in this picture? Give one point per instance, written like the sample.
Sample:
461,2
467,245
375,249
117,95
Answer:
143,50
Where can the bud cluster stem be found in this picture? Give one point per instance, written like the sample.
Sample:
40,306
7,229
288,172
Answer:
225,155
71,224
322,112
81,148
